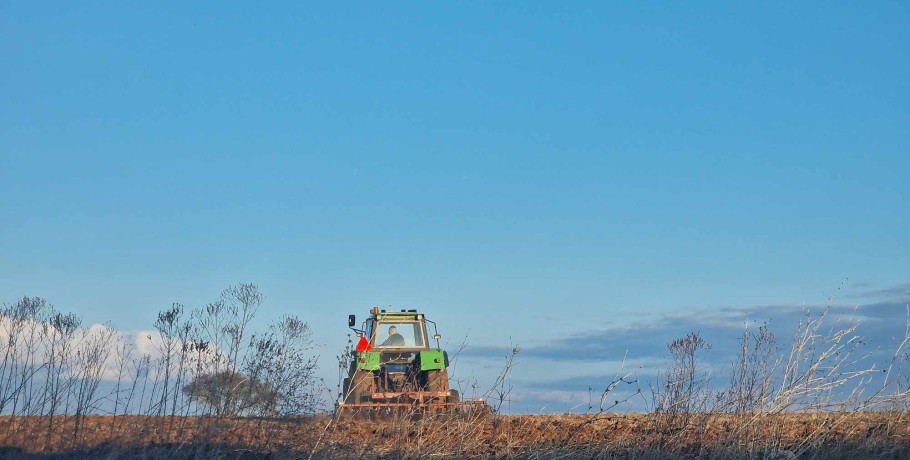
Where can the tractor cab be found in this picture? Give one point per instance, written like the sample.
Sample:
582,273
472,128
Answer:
398,338
398,333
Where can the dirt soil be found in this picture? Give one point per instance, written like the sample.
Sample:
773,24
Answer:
831,435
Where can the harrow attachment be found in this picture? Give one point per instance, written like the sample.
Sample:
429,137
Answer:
398,409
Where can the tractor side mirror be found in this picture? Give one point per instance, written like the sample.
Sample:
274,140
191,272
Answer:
351,320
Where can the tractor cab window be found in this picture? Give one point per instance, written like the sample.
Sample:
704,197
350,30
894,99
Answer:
399,334
368,329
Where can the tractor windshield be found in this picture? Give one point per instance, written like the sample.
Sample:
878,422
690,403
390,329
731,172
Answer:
399,334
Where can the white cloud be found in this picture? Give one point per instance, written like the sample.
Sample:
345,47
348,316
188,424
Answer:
87,347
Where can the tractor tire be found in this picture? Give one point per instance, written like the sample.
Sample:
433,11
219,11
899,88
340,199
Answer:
454,397
437,381
359,387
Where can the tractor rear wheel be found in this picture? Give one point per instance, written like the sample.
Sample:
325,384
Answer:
359,387
437,381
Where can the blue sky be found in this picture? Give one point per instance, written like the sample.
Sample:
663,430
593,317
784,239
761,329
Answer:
567,168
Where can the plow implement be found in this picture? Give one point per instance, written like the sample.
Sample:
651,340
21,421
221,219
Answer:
395,409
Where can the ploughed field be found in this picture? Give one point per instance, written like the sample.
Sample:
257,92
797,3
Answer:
604,435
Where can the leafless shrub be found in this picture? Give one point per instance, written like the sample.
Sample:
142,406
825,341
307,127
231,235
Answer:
223,325
500,392
247,395
59,336
684,393
610,399
91,362
123,358
751,375
282,357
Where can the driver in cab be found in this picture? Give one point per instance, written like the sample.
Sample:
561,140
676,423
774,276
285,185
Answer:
395,339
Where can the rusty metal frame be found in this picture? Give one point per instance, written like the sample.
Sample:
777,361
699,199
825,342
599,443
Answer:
419,396
384,410
421,400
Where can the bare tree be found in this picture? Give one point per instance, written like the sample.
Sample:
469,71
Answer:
281,357
224,325
60,334
91,360
25,324
168,327
123,357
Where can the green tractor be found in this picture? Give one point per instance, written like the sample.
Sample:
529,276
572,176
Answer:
394,366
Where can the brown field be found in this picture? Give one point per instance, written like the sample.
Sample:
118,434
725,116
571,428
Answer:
605,435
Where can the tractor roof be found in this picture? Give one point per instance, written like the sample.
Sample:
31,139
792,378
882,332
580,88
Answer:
383,314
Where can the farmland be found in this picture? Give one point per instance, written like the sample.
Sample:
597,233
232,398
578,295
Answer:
601,435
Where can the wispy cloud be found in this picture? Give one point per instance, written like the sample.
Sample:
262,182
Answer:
562,372
895,292
721,326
